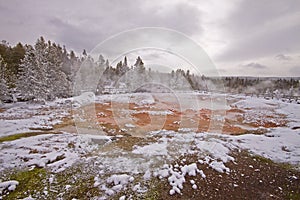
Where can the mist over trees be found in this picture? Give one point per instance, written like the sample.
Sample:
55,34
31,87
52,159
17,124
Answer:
46,71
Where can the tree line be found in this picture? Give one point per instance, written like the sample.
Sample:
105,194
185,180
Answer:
46,70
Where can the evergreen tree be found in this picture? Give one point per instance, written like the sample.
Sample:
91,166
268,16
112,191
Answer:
32,77
124,67
125,62
119,69
58,85
139,65
12,57
3,84
41,76
101,60
106,63
74,67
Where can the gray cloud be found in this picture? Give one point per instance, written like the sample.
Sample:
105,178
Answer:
81,25
255,65
222,71
74,37
295,71
256,31
248,30
283,57
264,45
252,15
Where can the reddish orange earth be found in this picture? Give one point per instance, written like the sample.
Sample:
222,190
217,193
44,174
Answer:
132,117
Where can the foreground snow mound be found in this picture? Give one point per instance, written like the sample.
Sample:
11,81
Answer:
114,184
8,185
219,166
176,175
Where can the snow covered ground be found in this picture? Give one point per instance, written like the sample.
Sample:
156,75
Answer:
56,151
24,117
120,160
280,144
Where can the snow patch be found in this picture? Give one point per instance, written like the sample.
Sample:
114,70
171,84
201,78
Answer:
176,175
117,182
280,145
219,166
152,149
129,126
56,151
84,99
8,185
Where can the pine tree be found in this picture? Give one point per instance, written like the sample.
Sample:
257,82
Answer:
139,66
137,76
41,69
124,67
41,76
125,62
3,84
12,57
119,69
106,63
32,76
101,60
74,67
58,85
66,61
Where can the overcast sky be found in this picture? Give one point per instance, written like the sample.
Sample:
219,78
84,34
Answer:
241,37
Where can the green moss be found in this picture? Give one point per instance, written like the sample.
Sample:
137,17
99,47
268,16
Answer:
262,159
36,181
81,180
293,196
81,188
155,189
286,166
23,135
30,182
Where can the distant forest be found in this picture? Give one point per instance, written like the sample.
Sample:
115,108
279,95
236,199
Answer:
46,71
